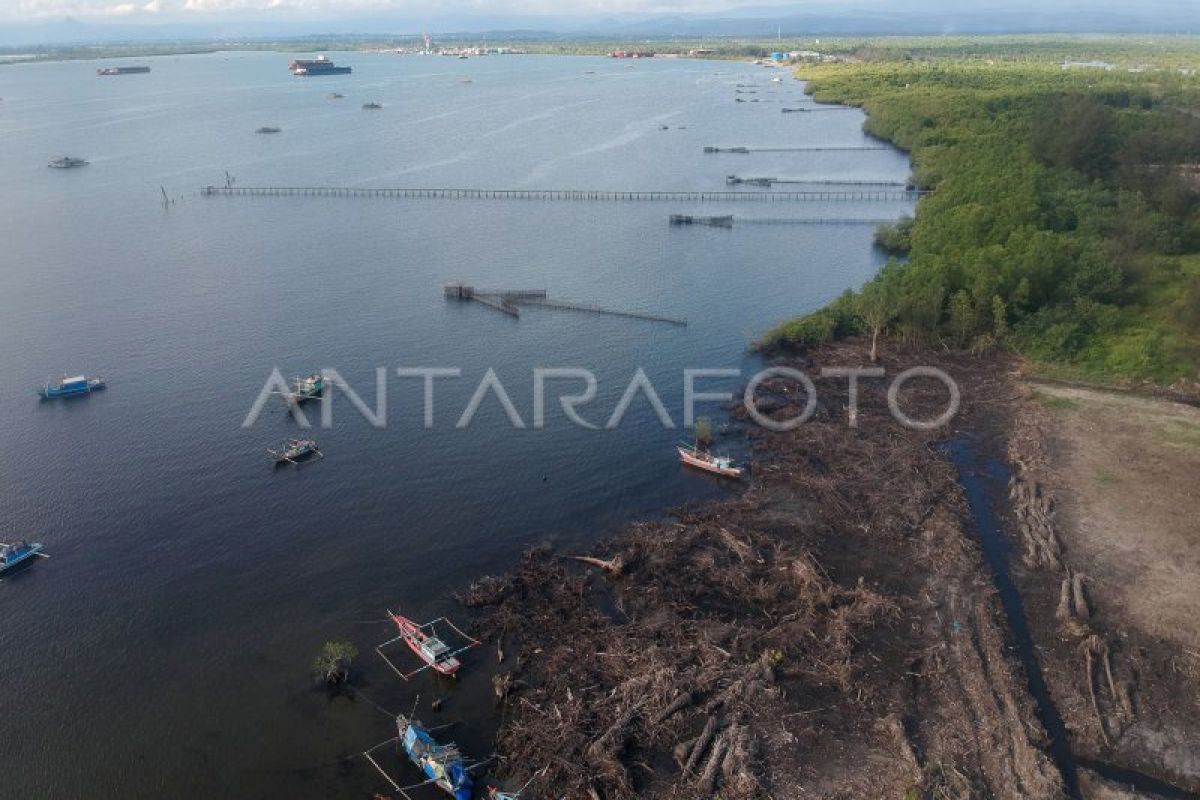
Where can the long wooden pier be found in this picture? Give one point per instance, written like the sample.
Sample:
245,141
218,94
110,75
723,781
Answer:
861,194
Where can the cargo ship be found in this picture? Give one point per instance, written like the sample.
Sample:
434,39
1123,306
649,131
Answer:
318,66
122,70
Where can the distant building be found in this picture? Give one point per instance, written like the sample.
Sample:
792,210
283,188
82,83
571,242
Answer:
1104,65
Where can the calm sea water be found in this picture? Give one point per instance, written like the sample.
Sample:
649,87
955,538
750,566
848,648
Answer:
164,649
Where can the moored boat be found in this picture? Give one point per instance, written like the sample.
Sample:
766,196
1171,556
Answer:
296,451
442,764
71,387
433,651
67,162
17,553
308,387
122,70
702,459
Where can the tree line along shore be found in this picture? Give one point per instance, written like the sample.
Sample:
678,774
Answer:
1064,222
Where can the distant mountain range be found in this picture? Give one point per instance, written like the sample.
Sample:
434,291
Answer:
821,19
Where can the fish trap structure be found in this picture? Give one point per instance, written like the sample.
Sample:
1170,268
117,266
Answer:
509,301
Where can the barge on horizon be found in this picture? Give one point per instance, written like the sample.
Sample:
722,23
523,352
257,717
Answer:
318,66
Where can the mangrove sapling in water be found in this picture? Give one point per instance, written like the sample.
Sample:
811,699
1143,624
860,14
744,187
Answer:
333,664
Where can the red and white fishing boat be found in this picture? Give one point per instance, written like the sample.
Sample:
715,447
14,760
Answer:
425,644
702,459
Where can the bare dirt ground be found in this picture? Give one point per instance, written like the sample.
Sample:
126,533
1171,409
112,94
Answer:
1107,505
831,633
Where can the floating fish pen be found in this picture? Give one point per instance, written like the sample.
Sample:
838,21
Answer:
555,194
715,222
508,301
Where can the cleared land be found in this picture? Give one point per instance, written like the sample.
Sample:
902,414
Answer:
1120,480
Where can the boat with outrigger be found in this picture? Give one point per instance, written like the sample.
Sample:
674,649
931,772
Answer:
77,386
67,162
17,553
431,649
694,456
296,451
305,388
443,765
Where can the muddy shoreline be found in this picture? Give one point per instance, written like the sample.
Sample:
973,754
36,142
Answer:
835,631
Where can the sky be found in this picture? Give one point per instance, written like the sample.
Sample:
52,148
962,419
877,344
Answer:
199,10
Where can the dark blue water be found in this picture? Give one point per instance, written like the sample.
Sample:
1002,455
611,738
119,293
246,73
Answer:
164,648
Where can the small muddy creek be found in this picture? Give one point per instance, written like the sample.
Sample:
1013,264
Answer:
985,482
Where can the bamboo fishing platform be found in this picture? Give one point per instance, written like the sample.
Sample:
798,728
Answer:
860,194
509,301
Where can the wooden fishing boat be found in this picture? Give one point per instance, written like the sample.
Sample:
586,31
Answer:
433,652
71,387
67,162
702,459
308,387
430,649
18,553
296,451
442,764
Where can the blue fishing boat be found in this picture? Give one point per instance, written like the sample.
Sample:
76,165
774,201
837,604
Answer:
13,555
442,764
71,387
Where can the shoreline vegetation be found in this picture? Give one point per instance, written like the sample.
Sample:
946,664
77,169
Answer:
768,646
1064,221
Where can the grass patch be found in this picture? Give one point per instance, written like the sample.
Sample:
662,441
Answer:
1181,433
1057,403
